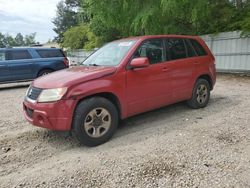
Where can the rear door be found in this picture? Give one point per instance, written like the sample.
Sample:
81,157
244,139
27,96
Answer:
5,74
53,59
203,60
181,67
20,63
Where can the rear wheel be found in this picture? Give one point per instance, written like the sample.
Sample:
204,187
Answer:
44,72
95,121
200,95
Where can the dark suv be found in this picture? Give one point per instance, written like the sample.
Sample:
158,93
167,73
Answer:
24,64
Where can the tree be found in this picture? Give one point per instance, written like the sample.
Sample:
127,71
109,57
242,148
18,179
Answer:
19,40
242,16
80,37
129,17
66,17
113,19
2,40
30,39
8,41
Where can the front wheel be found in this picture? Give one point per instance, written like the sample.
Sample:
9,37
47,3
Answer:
200,95
95,121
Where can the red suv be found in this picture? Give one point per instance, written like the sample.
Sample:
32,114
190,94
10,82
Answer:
122,79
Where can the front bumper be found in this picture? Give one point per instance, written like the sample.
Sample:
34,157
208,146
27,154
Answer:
55,116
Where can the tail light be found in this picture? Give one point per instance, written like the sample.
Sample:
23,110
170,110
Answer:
213,58
66,61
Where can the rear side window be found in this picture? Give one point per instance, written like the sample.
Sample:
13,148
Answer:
198,48
175,48
2,56
152,49
50,53
17,54
190,50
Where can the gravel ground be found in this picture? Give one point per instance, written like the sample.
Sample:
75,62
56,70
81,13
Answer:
170,147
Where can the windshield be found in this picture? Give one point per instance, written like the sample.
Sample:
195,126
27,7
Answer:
110,54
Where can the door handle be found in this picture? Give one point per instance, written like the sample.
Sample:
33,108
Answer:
196,63
165,69
2,65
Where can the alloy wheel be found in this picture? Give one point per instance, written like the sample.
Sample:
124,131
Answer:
201,94
97,122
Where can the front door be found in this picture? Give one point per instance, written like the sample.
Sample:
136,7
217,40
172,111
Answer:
148,88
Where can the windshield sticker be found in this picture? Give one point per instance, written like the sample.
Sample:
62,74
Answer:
125,44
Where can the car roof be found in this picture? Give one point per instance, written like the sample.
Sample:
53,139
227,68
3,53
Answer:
27,48
158,36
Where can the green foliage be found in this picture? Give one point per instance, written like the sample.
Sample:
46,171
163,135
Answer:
9,41
66,17
2,40
242,16
29,39
80,37
19,40
108,20
129,17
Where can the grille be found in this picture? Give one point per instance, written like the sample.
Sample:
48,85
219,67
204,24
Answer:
33,93
29,112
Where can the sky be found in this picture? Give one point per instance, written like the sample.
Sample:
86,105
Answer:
28,16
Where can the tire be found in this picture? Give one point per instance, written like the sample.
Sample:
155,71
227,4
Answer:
44,72
200,94
95,121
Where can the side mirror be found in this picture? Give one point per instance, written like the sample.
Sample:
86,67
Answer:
140,62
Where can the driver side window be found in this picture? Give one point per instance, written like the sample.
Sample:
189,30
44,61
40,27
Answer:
152,49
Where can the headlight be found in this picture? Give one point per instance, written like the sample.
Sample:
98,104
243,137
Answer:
27,91
51,95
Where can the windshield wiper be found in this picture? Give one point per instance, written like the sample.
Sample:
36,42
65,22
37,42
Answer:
93,64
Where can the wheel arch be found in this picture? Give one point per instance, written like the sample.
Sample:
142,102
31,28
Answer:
43,69
108,95
208,78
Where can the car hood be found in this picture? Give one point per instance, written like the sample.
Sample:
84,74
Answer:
72,76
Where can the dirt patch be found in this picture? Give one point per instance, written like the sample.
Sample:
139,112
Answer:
228,138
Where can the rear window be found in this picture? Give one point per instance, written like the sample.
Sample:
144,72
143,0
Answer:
198,48
50,53
190,50
17,54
